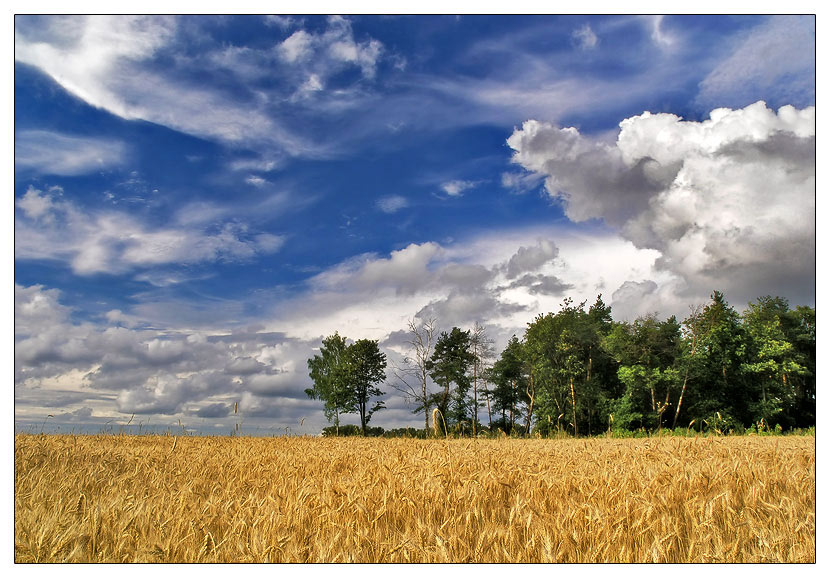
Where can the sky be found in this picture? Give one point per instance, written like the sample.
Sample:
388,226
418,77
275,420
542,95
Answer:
199,200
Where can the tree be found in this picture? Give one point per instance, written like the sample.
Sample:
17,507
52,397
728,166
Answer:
481,347
345,378
413,378
510,378
773,361
647,351
691,328
448,366
557,347
799,326
366,369
716,364
329,372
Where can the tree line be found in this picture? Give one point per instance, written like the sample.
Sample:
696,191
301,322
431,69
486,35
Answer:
579,372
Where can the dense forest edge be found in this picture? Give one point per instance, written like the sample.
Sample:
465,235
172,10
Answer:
579,373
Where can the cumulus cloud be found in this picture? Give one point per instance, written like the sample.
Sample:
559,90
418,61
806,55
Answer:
496,280
321,55
538,284
531,258
51,228
729,202
139,360
53,153
145,371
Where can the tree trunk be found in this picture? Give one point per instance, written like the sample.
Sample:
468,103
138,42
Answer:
573,404
475,390
680,399
489,415
685,381
363,418
425,397
531,393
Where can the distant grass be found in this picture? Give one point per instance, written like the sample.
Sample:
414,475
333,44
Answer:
222,499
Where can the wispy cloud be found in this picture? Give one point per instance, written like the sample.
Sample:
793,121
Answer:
456,188
392,203
659,35
51,228
585,37
104,60
51,153
776,58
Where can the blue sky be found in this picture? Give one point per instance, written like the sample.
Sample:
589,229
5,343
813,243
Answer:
200,199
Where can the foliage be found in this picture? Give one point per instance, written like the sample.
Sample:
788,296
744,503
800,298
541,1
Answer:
577,372
449,367
346,376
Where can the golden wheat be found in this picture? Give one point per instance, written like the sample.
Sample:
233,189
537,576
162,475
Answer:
134,499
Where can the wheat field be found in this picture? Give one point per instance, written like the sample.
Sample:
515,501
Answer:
225,499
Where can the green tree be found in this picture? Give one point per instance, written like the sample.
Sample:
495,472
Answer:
716,367
329,372
800,328
345,378
568,365
449,365
366,369
510,379
773,361
647,352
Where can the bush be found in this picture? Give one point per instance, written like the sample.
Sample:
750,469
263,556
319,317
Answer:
351,430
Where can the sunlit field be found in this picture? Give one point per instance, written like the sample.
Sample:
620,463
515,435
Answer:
225,499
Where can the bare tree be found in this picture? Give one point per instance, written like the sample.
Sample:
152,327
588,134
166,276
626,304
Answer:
412,377
483,351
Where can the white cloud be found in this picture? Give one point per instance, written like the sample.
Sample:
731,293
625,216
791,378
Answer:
82,53
521,183
256,181
284,22
297,47
142,371
776,59
585,37
392,203
502,279
104,61
53,153
322,54
120,366
658,34
729,202
456,188
110,242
